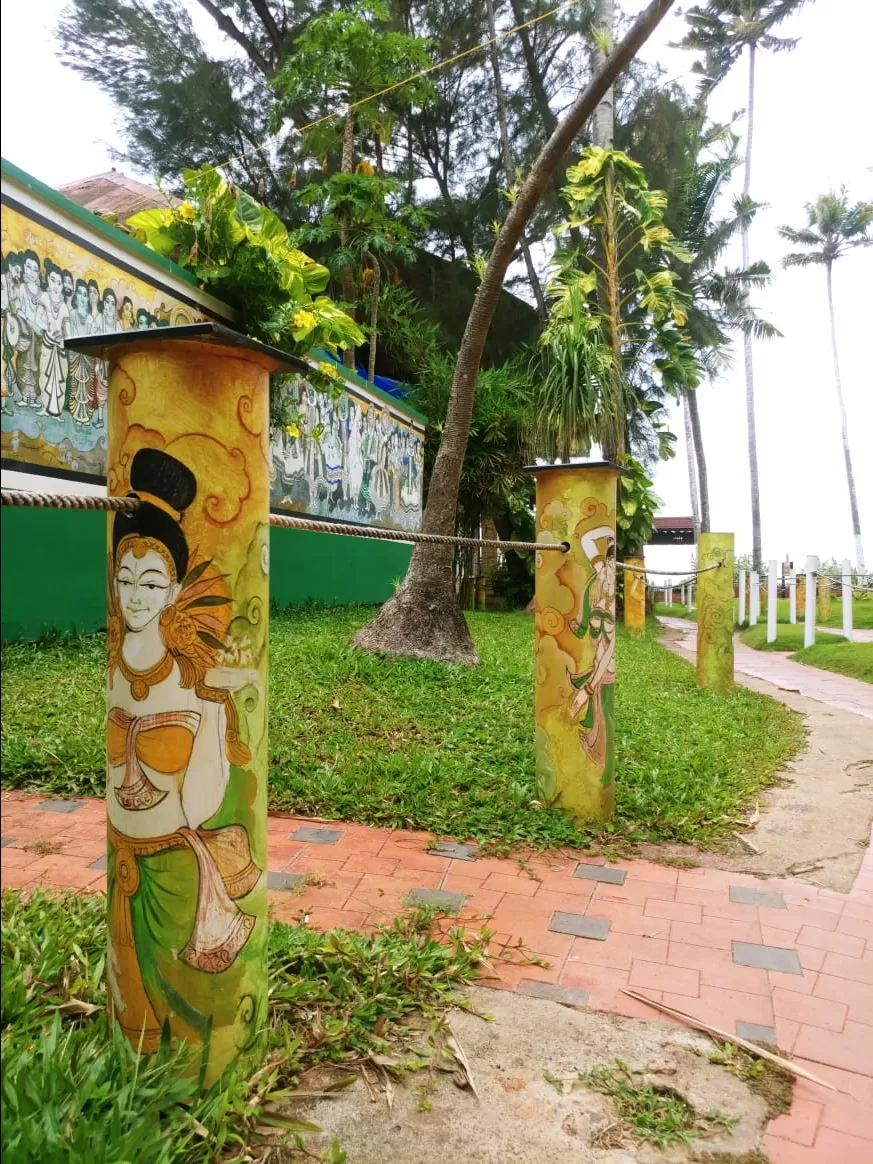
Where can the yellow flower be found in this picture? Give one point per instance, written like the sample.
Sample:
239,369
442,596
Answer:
304,319
327,369
187,212
292,430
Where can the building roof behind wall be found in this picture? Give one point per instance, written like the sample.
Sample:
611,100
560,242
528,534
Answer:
114,193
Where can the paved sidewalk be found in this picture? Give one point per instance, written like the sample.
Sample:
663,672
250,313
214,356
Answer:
771,959
777,668
859,634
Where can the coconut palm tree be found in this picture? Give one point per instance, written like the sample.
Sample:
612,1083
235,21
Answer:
833,229
724,30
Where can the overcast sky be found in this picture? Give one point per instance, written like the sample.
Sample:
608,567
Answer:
813,131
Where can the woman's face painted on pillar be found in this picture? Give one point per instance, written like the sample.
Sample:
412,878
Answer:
145,588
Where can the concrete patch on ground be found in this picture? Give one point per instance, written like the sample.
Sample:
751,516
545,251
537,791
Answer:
815,821
520,1117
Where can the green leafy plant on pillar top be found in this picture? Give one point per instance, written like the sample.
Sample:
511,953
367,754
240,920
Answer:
637,506
241,252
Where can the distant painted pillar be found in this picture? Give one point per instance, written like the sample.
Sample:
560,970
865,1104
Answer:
848,631
824,599
715,613
792,597
754,598
741,615
801,593
188,621
575,638
635,597
772,596
809,605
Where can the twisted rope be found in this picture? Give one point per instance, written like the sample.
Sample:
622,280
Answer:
21,497
678,582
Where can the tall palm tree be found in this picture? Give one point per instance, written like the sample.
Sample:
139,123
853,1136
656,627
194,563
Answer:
833,229
724,30
719,302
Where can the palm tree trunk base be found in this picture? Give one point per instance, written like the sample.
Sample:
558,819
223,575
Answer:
420,622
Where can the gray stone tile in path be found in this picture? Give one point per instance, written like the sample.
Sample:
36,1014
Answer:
317,836
755,1033
580,926
766,957
60,805
6,841
284,882
566,995
600,873
100,863
456,850
767,899
441,898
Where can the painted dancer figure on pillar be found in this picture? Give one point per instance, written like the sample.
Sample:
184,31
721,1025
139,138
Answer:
173,735
595,686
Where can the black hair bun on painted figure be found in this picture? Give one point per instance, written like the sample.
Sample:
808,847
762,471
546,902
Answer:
163,477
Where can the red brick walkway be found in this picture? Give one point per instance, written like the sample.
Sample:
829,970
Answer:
739,952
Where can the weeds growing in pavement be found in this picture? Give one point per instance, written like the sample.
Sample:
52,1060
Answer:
73,1089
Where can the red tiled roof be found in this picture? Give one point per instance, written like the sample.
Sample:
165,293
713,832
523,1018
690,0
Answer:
674,523
115,193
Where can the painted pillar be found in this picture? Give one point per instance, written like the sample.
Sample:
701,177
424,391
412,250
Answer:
187,756
848,631
792,597
575,638
741,616
635,597
715,613
809,604
824,599
772,594
754,598
801,593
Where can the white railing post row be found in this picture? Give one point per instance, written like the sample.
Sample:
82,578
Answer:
668,593
809,614
754,598
741,613
772,591
847,599
690,603
792,597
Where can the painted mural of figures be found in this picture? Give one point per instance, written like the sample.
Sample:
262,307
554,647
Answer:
595,687
172,739
10,286
128,319
380,482
352,453
52,317
29,345
105,323
82,374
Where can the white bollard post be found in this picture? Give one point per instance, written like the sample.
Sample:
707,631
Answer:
792,597
667,594
772,591
754,598
809,614
689,606
847,599
741,614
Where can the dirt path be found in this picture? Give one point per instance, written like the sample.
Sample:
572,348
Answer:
816,822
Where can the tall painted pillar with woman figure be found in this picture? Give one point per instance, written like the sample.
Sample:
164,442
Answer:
715,612
575,638
186,739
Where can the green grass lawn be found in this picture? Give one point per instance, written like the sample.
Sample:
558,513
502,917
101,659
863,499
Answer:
788,638
74,1090
677,610
853,659
862,613
417,744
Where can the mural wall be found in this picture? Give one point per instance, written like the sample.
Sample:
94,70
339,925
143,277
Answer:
358,459
52,289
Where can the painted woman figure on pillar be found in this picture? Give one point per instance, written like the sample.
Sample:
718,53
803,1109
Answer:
172,738
596,617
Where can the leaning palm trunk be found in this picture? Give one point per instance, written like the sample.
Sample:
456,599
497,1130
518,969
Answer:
374,316
603,121
347,275
422,618
850,476
747,339
700,455
691,455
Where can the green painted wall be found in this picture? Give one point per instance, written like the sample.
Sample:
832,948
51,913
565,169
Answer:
53,570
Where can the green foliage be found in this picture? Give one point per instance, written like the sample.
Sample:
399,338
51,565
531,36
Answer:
852,659
789,637
637,506
722,29
416,744
73,1089
241,252
834,227
654,1116
614,347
